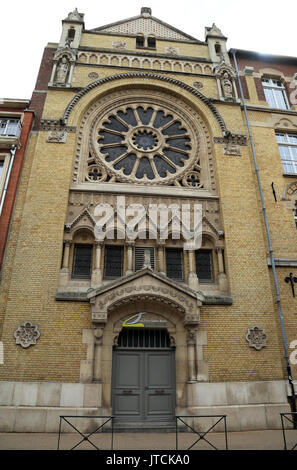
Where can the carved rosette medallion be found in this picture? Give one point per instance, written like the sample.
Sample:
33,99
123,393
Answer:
256,337
26,334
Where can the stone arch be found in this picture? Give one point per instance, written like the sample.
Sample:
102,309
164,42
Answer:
149,76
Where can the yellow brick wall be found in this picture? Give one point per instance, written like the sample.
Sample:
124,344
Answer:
33,259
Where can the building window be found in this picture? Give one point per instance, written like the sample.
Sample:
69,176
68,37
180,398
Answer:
10,127
1,169
287,144
174,263
113,262
151,42
139,256
145,42
140,40
204,267
275,93
82,261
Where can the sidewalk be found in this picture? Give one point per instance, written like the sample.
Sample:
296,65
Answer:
249,440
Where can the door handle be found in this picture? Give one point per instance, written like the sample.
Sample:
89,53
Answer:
160,391
127,392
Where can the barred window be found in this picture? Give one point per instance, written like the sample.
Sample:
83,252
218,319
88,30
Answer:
82,262
174,263
113,262
204,266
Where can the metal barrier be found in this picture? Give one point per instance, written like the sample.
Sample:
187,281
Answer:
204,433
284,416
85,437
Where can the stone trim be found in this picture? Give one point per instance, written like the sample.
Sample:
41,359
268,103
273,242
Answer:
283,262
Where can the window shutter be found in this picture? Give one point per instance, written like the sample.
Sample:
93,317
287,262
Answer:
139,257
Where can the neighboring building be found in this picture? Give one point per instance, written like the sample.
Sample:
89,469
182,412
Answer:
15,125
138,112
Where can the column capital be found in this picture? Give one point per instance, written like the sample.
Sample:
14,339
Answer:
129,243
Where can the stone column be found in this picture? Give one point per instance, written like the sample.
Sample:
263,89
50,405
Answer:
96,274
192,278
64,272
98,337
223,281
130,246
161,245
87,365
191,350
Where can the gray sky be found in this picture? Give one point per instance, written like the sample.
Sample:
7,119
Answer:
27,26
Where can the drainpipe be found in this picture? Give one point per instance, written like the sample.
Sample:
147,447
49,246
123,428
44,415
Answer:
278,301
12,152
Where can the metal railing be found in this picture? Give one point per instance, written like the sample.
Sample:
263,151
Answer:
85,436
202,434
285,419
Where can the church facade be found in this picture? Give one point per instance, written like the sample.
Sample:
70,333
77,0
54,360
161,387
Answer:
132,320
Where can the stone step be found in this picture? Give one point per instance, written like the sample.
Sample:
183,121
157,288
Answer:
144,427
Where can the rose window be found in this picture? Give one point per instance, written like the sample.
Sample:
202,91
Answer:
145,143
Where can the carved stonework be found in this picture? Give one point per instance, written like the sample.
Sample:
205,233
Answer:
231,149
172,50
93,75
198,85
143,139
57,137
191,335
98,335
75,16
119,45
231,143
63,68
225,75
26,334
256,337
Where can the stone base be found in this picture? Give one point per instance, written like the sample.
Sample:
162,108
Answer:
37,406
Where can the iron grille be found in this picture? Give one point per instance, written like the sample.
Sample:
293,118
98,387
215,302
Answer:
174,267
82,261
141,338
204,265
113,262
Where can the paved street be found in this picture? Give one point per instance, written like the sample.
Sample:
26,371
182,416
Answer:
253,440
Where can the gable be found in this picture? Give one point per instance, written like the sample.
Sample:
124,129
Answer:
146,26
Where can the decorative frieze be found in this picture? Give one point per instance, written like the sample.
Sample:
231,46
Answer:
153,63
